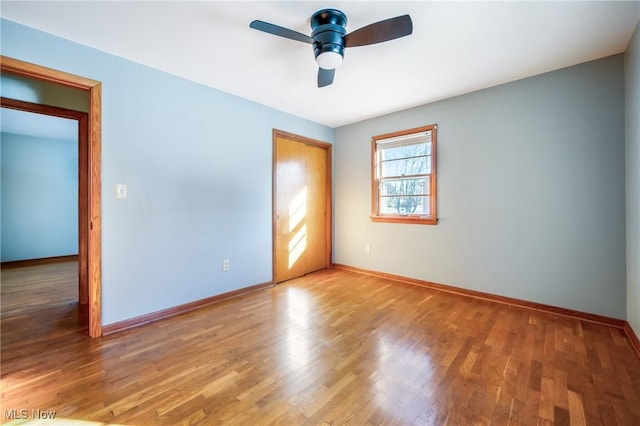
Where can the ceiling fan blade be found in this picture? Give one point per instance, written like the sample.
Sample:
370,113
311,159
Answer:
325,77
381,31
280,31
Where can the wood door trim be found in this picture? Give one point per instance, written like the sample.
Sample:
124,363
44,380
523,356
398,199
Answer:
302,139
42,109
29,70
83,179
93,131
329,217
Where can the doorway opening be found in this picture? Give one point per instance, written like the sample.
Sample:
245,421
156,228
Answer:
89,155
44,229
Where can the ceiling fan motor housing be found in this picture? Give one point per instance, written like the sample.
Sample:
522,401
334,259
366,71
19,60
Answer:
329,29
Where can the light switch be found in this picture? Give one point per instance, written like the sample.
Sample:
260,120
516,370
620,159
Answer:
121,191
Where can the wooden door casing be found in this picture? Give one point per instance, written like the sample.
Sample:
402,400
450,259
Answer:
93,155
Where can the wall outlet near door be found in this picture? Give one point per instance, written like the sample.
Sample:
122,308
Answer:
226,265
367,248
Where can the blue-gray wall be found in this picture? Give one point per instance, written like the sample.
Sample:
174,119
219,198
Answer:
39,190
197,163
531,186
632,90
531,194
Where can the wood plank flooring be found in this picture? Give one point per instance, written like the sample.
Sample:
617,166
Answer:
38,286
334,347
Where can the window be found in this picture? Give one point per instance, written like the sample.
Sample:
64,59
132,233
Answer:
403,175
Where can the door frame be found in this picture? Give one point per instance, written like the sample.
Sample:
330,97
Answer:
91,223
329,176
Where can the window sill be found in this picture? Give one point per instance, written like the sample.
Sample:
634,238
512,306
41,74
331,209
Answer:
405,219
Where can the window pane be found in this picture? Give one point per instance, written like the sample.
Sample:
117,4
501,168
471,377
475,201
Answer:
394,187
407,167
406,151
401,205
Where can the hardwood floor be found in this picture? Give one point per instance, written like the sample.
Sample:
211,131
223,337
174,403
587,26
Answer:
30,286
334,347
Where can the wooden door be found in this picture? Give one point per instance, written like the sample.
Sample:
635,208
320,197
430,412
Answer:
316,177
302,204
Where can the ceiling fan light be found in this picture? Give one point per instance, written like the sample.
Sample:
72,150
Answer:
329,60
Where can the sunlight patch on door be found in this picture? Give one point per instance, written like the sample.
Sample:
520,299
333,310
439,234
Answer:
298,209
297,214
297,245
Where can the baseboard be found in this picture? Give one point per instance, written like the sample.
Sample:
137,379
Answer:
570,313
180,309
633,337
36,262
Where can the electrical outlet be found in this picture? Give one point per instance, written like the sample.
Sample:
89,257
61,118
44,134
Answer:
367,248
226,265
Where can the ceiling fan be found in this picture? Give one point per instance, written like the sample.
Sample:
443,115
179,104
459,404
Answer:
329,37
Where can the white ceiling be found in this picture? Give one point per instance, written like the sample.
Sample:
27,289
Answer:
455,48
